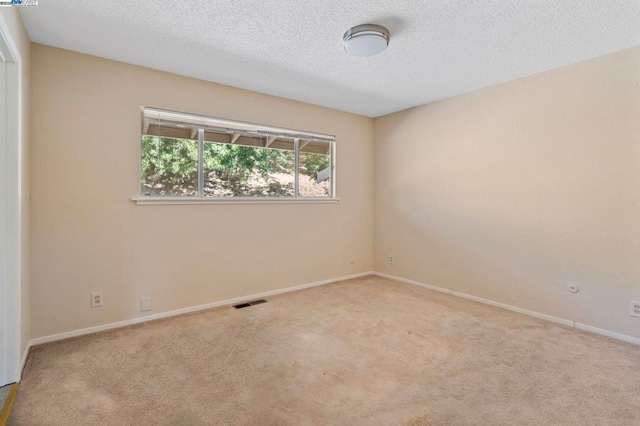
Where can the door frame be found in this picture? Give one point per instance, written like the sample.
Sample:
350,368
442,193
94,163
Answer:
11,193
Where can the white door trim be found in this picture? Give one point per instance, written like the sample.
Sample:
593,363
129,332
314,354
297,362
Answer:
10,209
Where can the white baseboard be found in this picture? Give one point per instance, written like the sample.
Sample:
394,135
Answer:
138,320
608,333
596,330
24,359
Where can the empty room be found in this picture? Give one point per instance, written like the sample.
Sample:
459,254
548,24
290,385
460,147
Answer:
268,212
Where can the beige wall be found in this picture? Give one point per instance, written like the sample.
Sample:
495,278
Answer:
87,234
508,193
512,192
18,33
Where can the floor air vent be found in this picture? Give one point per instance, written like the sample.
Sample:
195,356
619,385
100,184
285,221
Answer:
247,304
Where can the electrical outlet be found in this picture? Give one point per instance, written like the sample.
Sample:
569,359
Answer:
96,299
145,304
635,308
390,259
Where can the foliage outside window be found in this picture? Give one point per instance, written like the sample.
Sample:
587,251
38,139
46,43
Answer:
200,157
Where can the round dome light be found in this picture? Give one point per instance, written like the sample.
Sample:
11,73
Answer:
366,40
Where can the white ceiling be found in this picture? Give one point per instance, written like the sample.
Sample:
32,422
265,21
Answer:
293,48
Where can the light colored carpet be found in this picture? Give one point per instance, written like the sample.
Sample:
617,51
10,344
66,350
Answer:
4,395
366,351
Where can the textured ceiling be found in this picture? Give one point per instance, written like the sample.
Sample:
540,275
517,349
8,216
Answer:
294,48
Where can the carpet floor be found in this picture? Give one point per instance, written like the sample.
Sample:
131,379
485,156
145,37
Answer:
366,351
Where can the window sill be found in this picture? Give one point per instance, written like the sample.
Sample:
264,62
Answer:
155,201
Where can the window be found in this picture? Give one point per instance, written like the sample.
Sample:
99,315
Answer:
193,157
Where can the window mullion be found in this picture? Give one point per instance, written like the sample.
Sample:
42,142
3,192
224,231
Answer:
296,167
200,162
332,161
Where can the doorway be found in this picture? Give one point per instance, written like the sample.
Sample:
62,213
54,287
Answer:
10,209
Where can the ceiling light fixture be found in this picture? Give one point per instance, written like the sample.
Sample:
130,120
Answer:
366,40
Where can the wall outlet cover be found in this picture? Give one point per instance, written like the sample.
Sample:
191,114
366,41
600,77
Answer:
96,299
145,304
635,308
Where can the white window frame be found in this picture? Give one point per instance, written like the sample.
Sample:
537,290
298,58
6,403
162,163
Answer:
231,125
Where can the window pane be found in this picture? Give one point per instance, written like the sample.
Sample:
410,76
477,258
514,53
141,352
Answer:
247,171
169,166
315,173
